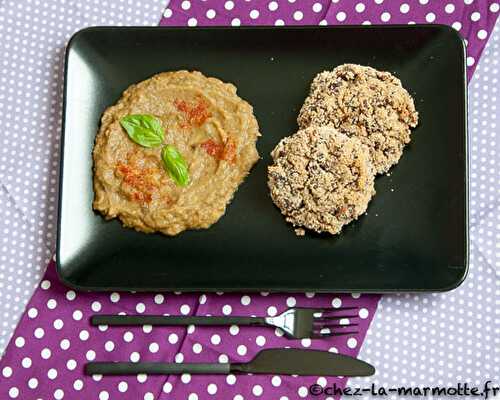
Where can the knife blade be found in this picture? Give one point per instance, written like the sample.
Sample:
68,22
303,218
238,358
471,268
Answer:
270,361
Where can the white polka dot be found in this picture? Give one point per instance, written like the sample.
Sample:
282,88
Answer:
159,299
45,284
141,378
96,306
39,333
33,383
231,379
45,353
404,8
7,372
363,313
147,328
114,297
352,343
154,347
336,302
260,340
173,338
26,362
235,22
366,23
167,13
276,381
96,377
140,308
90,355
193,396
84,335
317,7
19,342
229,5
179,357
186,5
223,358
273,6
215,339
456,25
103,395
482,34
51,304
149,396
430,17
241,350
212,388
32,312
423,1
185,309
135,356
211,14
449,8
71,364
298,15
197,348
360,7
13,392
475,16
254,14
279,22
494,7
386,16
257,390
109,345
227,309
245,300
128,336
58,324
272,311
470,61
186,378
70,295
52,373
78,385
321,381
65,344
77,315
323,22
341,16
302,392
305,342
234,329
291,302
167,387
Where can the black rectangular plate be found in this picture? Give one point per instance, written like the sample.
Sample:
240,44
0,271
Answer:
415,236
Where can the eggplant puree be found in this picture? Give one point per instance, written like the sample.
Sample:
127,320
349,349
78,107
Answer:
208,123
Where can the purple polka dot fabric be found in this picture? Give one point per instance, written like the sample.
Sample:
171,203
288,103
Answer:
474,19
54,339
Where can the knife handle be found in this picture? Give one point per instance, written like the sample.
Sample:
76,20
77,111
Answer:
154,368
163,320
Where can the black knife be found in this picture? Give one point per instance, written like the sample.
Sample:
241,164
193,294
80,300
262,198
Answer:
270,361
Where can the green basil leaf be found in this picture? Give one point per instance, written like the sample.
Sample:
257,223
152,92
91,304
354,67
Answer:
175,165
143,129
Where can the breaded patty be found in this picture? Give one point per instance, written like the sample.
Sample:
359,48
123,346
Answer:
364,103
321,179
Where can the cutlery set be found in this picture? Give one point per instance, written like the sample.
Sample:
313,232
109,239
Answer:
296,323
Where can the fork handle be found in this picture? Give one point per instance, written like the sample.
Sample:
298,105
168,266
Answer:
163,320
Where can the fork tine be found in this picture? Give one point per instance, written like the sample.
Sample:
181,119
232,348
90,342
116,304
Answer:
330,326
332,334
332,317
